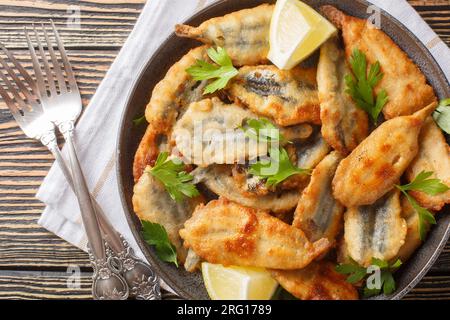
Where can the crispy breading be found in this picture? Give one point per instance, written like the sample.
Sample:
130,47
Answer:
344,125
226,233
375,231
403,81
317,281
373,168
169,98
209,133
244,34
151,202
412,240
287,97
434,156
219,179
318,214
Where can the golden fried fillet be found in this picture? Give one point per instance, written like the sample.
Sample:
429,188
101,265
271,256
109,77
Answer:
209,132
169,98
151,202
219,179
244,34
412,240
375,231
371,170
317,281
226,233
403,81
287,97
309,153
318,214
434,156
344,125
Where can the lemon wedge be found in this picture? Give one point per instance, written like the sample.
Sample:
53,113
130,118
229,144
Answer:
296,31
237,283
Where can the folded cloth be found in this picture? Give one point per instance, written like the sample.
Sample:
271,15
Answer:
97,129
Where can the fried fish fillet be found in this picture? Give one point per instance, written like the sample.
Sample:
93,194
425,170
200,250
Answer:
151,202
244,34
375,231
318,214
434,156
287,97
209,132
373,168
226,233
344,125
412,240
219,179
317,281
404,83
310,152
170,98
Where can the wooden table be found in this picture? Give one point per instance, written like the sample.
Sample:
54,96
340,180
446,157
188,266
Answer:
33,262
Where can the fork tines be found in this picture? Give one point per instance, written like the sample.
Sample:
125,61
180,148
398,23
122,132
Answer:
60,77
16,80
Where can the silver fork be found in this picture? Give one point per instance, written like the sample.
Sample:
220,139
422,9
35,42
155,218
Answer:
24,104
26,108
61,101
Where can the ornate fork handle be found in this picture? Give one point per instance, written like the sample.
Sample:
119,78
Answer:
142,281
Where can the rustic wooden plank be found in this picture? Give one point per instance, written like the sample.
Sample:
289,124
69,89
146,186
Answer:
54,285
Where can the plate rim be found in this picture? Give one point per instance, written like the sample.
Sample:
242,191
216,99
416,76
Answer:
131,216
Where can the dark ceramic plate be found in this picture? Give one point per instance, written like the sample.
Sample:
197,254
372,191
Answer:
191,286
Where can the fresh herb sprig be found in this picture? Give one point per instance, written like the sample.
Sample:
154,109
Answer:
263,130
222,71
429,186
360,85
277,167
442,115
156,235
172,175
356,273
279,159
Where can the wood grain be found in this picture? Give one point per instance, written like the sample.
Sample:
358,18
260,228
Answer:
33,262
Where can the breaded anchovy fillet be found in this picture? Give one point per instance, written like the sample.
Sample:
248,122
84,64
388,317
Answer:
209,132
312,151
151,202
219,179
287,97
373,168
226,233
375,231
344,125
170,98
317,281
404,83
412,240
318,214
434,156
244,34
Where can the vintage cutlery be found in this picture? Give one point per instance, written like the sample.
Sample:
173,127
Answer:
25,105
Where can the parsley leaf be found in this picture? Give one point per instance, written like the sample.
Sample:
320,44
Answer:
422,183
442,115
263,130
156,235
138,121
360,85
432,187
277,168
357,273
172,175
222,72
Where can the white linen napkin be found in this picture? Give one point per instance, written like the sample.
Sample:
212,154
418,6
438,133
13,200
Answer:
97,129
